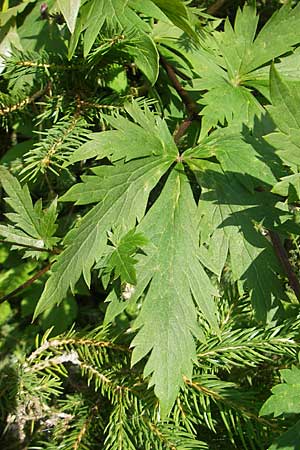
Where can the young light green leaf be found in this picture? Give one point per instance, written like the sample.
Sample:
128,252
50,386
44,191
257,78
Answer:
288,186
32,224
121,261
285,396
179,285
121,192
69,9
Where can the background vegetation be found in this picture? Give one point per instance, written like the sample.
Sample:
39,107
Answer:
184,132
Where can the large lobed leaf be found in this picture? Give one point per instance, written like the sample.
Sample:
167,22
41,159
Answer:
168,270
148,132
285,112
178,283
228,70
231,212
122,193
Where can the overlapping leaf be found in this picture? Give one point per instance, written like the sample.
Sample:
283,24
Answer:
148,132
285,396
286,138
285,112
236,155
230,221
178,282
122,16
121,260
69,9
32,226
234,56
121,193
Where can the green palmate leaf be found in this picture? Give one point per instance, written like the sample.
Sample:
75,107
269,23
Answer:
69,9
244,52
121,261
231,215
236,155
122,193
32,225
178,283
288,186
234,55
285,113
285,397
149,134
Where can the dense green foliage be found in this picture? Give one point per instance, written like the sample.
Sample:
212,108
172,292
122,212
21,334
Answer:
150,226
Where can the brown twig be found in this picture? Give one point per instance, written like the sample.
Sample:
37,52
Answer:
215,7
285,262
190,105
26,284
185,124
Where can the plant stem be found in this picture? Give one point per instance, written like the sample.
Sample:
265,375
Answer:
190,105
215,7
285,262
26,284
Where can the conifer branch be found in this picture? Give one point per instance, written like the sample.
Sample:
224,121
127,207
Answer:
41,65
26,101
85,427
56,343
217,397
86,104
